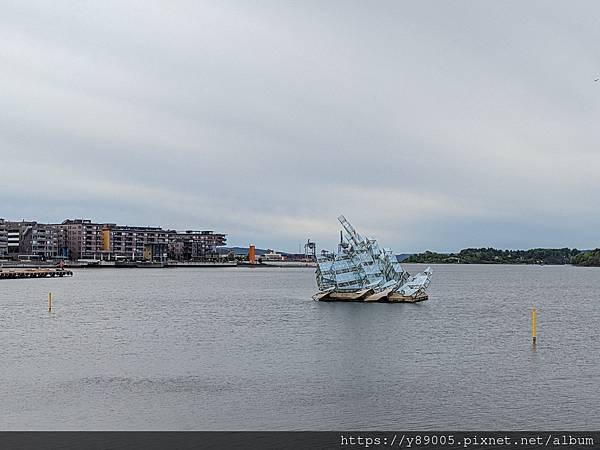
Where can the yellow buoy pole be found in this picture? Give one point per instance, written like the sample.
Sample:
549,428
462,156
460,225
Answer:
534,325
49,301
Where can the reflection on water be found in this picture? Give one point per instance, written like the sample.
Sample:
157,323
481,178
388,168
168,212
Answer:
248,349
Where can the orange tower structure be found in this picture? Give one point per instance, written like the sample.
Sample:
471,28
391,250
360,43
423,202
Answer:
252,254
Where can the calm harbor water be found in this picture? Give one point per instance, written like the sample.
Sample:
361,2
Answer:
244,349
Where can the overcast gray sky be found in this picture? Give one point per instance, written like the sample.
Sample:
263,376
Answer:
430,125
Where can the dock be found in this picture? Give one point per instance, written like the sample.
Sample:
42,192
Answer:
34,273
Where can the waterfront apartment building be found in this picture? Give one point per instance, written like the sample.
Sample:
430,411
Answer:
195,245
82,239
135,243
3,239
14,237
39,241
28,240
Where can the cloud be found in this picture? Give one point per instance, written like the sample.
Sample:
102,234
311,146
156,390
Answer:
429,125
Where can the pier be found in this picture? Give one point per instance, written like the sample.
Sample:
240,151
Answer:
34,273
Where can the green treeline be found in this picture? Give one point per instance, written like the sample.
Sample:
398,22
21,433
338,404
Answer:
591,258
495,256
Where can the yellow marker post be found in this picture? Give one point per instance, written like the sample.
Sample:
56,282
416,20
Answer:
49,301
534,325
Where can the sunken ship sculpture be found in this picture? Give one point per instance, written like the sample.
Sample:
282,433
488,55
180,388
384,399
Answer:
363,272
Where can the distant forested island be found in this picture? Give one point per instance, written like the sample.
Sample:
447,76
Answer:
495,256
590,258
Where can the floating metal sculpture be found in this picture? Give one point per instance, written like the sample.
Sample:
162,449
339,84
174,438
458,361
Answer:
361,271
